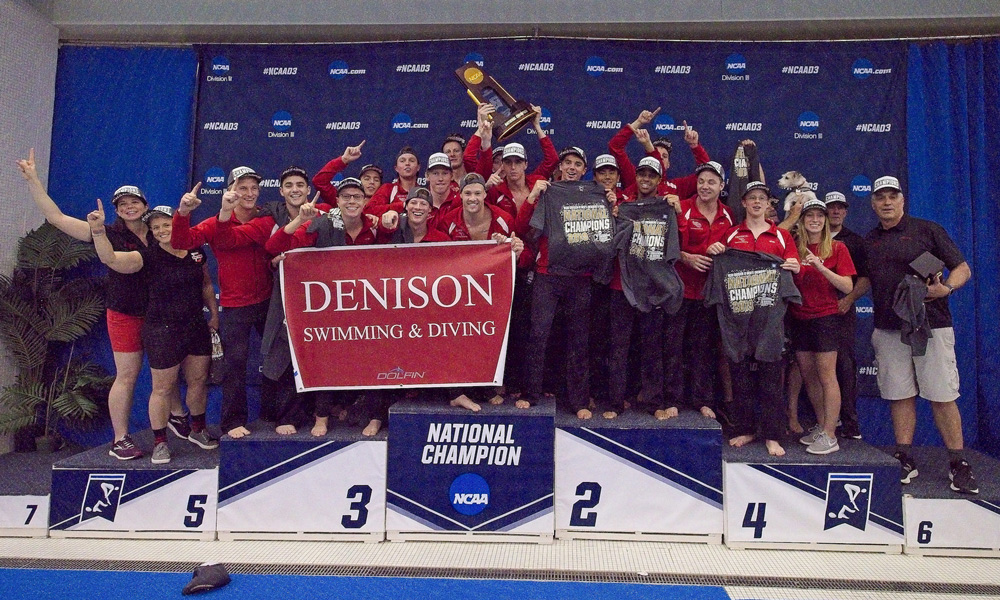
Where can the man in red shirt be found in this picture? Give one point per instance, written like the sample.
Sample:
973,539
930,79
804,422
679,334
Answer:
244,293
407,169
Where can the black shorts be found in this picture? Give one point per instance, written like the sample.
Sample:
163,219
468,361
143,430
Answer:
168,344
822,334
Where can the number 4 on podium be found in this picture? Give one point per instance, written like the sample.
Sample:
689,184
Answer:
754,517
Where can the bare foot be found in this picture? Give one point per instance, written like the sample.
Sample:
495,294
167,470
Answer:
796,427
774,448
498,399
740,440
707,412
522,404
285,429
610,414
238,432
584,414
663,415
373,427
319,429
466,402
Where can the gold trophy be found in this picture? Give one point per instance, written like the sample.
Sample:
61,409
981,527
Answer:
511,115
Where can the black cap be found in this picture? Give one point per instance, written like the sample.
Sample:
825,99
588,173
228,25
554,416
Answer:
663,143
293,171
454,137
207,577
128,190
350,182
371,167
166,211
241,172
756,185
419,192
573,150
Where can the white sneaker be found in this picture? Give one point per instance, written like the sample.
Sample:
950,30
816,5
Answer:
824,444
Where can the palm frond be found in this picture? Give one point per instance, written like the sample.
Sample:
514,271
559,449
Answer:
20,402
48,248
21,334
70,318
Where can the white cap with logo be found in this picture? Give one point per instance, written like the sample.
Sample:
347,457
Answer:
605,160
514,150
438,159
832,197
648,162
886,182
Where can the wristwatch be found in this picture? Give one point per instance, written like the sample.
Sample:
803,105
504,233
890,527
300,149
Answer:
951,288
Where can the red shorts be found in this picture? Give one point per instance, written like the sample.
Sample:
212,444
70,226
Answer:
125,332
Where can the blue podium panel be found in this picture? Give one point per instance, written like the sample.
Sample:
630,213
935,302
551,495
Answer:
942,522
848,500
25,483
303,487
636,477
455,474
95,495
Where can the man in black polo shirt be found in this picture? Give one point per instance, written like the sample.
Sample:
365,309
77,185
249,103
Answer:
847,367
895,242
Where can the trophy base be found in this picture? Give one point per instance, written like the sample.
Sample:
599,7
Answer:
521,116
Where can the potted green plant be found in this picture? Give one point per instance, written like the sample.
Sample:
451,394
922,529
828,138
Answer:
43,315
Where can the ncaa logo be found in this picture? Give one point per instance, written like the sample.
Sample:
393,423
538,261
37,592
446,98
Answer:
595,66
338,69
401,122
475,57
215,178
663,124
862,68
469,494
861,186
808,121
546,119
220,65
281,120
736,63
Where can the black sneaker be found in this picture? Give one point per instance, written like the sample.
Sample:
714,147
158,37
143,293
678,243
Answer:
179,425
908,467
849,431
962,480
125,449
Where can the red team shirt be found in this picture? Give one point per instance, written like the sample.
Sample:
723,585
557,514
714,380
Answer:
771,241
819,297
697,234
454,225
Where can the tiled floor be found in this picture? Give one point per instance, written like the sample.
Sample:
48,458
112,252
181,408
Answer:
777,574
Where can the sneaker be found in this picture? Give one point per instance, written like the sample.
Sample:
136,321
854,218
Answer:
811,435
908,467
824,444
849,431
125,449
203,440
962,480
179,426
161,454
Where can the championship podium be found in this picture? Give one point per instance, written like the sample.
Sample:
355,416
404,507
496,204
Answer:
458,475
635,477
96,495
847,500
302,487
25,482
942,522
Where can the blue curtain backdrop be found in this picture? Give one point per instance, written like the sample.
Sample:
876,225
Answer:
953,108
122,116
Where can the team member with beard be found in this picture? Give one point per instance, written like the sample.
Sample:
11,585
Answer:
552,292
815,330
244,291
125,301
692,334
407,169
475,219
763,385
683,187
323,179
346,225
174,332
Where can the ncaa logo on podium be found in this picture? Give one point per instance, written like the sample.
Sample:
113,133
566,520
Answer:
470,494
101,498
848,498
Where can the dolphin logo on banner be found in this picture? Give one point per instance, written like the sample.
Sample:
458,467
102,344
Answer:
101,498
848,498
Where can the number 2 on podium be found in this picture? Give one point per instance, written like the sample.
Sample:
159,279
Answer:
592,490
754,517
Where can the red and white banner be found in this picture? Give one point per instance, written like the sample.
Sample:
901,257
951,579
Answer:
413,315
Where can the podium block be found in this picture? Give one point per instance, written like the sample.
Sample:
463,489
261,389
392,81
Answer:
303,487
458,475
848,500
942,522
638,478
96,495
25,483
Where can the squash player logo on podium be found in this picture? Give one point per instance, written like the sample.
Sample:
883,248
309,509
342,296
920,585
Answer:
101,498
848,498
